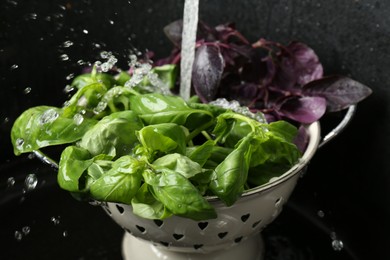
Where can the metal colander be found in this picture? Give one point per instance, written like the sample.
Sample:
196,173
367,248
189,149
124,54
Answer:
234,234
235,225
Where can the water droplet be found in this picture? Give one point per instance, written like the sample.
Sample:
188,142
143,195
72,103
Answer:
81,62
14,3
26,230
70,76
10,182
19,143
32,16
321,214
111,22
67,44
30,182
14,67
27,90
64,57
6,120
55,220
18,235
65,233
337,245
78,119
85,31
68,88
100,107
48,116
97,45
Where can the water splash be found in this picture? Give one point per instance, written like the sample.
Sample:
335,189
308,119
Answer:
55,220
31,181
19,143
321,213
337,244
67,44
10,182
64,57
236,107
26,230
27,90
190,24
18,235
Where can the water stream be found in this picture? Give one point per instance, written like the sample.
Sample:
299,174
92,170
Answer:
190,23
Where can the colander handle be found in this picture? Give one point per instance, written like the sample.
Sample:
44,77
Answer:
340,127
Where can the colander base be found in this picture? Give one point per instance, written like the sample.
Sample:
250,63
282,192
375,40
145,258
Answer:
137,249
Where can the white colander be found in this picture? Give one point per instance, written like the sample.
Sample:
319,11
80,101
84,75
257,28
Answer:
234,234
183,238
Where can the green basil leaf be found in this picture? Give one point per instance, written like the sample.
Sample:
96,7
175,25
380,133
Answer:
116,99
86,79
232,172
166,73
146,206
73,165
113,134
178,163
85,100
44,126
272,147
201,153
263,173
179,195
121,78
121,183
156,108
164,137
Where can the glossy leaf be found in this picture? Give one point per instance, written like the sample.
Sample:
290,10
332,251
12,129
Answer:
179,195
156,108
44,126
164,137
113,134
145,205
74,163
231,173
207,71
340,92
120,183
305,110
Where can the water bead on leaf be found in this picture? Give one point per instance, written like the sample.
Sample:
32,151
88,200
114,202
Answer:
78,119
19,143
48,116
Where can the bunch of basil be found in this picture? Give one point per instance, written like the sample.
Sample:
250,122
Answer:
156,152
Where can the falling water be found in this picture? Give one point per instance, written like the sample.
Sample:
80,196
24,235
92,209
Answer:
190,23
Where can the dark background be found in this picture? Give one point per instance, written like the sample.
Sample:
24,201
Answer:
348,179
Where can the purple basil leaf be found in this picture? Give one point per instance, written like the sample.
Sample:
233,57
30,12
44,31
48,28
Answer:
298,65
244,93
302,139
308,65
340,92
174,32
305,110
207,71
